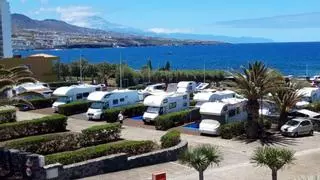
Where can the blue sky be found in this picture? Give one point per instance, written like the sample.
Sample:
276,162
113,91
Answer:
280,20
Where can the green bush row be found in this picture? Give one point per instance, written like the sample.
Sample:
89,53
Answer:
170,139
314,106
49,124
46,144
111,115
7,114
171,120
137,87
75,107
83,154
42,103
193,103
101,134
231,130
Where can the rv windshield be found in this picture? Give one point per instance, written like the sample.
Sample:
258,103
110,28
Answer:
153,110
64,99
96,105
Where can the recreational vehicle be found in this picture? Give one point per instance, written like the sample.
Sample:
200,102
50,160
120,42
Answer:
163,104
73,93
38,87
208,96
186,86
309,95
152,89
103,100
224,111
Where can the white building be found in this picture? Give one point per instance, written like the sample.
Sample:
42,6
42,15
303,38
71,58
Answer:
5,30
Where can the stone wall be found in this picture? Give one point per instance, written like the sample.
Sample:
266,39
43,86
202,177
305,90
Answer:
110,163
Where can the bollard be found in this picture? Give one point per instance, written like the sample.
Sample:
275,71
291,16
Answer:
159,176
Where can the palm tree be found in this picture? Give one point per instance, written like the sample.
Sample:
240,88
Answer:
285,97
201,157
274,158
256,81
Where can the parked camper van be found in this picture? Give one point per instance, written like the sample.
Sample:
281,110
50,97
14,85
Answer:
73,93
186,86
207,96
164,103
104,100
224,111
309,95
152,89
38,87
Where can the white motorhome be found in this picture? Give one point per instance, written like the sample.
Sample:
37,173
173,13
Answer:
186,86
224,111
38,87
104,100
207,96
164,103
69,94
152,89
309,95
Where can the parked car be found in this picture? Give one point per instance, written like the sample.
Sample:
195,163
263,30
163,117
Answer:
296,127
209,126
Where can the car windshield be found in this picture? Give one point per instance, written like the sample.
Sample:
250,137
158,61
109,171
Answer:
153,110
292,123
63,99
96,105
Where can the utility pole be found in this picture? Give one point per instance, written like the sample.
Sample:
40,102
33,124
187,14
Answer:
80,64
120,72
204,71
149,73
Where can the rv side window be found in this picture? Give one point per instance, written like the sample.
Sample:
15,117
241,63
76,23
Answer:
232,112
86,94
185,97
185,104
115,101
172,105
79,96
165,101
121,99
98,89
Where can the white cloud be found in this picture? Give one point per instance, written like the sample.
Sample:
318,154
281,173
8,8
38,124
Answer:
169,31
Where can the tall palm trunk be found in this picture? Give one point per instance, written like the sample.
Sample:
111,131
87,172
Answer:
253,117
274,174
283,118
201,175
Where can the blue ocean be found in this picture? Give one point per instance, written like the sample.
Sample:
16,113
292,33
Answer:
297,59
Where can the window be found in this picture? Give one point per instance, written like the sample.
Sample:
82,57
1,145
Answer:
86,94
305,123
98,89
172,105
79,96
185,104
185,97
165,101
115,101
159,87
121,99
232,112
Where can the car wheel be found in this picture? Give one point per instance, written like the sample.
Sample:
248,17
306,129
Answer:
311,133
295,134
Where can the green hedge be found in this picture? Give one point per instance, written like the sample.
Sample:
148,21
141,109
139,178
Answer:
101,134
231,130
74,108
42,103
7,114
170,139
314,106
49,124
193,103
137,87
46,144
111,115
129,147
170,120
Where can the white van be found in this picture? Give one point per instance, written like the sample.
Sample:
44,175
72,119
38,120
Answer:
69,94
309,95
104,100
207,96
152,89
186,86
163,104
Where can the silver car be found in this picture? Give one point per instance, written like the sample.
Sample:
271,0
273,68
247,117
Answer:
296,127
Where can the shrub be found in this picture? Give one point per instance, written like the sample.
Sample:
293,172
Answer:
314,106
111,115
74,108
138,87
101,134
170,139
42,103
267,124
7,114
129,147
46,144
193,103
230,130
49,124
170,120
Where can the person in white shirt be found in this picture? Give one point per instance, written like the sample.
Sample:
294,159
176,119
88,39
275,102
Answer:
120,117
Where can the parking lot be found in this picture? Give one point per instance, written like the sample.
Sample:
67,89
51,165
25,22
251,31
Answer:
236,153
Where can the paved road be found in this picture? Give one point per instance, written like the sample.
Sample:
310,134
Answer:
236,153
